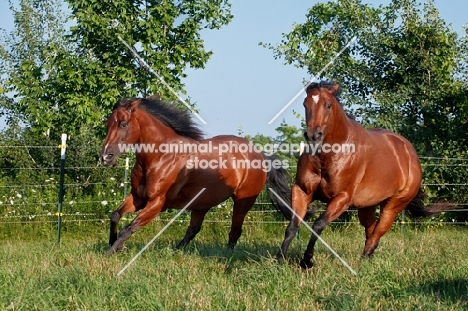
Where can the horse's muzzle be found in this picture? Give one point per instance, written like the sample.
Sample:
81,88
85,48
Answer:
315,140
108,159
314,136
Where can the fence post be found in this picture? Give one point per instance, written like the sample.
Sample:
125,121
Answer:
59,214
125,187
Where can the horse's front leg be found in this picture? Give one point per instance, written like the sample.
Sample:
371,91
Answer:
150,211
126,207
307,182
335,208
300,201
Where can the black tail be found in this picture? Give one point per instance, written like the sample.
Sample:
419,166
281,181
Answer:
416,207
279,181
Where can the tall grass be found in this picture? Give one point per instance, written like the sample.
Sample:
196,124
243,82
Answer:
419,269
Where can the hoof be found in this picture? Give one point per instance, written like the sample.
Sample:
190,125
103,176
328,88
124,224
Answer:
122,249
280,258
366,256
114,249
306,264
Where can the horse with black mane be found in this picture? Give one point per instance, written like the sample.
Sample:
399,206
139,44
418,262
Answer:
168,179
382,168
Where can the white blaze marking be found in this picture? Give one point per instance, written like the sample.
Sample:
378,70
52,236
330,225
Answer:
315,98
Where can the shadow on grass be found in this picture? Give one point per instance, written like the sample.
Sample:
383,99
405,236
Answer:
445,290
99,247
254,253
211,243
242,253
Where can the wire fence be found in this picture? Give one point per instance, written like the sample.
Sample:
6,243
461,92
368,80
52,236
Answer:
35,203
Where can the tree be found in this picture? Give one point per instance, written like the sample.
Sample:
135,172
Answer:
68,78
407,71
63,68
403,73
285,145
25,57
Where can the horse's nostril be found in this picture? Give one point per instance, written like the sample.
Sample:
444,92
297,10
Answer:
107,157
318,135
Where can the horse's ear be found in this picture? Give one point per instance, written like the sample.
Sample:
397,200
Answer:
335,88
133,105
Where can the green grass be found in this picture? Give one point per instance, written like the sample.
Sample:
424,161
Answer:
421,269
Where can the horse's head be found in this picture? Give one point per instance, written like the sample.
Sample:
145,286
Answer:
319,104
122,129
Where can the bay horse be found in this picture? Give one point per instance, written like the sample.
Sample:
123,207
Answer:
348,166
163,178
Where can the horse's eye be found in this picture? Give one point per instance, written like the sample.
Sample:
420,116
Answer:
329,105
123,124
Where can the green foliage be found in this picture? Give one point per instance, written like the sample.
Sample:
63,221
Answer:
62,77
30,170
63,68
28,59
406,72
288,134
401,74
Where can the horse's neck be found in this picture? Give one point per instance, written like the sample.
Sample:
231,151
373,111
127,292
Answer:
152,130
340,126
157,134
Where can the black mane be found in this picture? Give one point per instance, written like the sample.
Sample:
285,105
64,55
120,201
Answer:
327,84
179,120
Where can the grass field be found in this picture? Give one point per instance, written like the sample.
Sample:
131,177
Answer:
419,269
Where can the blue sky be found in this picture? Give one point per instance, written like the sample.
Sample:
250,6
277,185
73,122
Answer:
242,84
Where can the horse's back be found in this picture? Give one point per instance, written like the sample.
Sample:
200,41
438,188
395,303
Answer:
246,164
385,141
391,164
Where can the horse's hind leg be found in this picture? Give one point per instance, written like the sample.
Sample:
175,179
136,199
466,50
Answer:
386,219
196,220
300,202
241,207
367,219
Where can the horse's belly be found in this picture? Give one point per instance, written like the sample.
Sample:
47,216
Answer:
208,198
368,196
361,195
366,201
